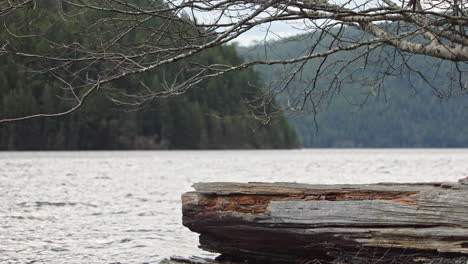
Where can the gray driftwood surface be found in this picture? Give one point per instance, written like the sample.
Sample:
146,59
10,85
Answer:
290,222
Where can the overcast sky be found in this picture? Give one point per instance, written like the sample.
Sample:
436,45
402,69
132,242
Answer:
267,32
263,32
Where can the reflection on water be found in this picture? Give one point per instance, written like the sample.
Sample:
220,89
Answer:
124,207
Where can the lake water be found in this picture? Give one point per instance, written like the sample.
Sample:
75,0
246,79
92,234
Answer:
124,207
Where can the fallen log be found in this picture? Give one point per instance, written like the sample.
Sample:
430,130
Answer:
301,223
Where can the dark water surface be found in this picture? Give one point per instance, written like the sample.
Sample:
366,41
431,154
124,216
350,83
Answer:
124,207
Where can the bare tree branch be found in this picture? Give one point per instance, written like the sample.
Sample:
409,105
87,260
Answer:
175,31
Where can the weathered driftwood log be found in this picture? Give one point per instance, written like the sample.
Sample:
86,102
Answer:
296,223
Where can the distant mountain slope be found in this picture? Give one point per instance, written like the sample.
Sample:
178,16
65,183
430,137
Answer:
405,113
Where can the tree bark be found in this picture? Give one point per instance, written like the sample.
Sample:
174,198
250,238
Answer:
297,223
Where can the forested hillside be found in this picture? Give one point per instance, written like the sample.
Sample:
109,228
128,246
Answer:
212,115
404,112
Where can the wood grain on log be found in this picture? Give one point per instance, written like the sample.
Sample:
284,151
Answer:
290,222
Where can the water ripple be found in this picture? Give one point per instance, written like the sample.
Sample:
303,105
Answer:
124,207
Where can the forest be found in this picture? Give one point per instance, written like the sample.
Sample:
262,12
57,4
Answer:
402,110
213,115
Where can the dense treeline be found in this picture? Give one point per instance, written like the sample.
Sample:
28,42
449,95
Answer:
213,115
405,112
